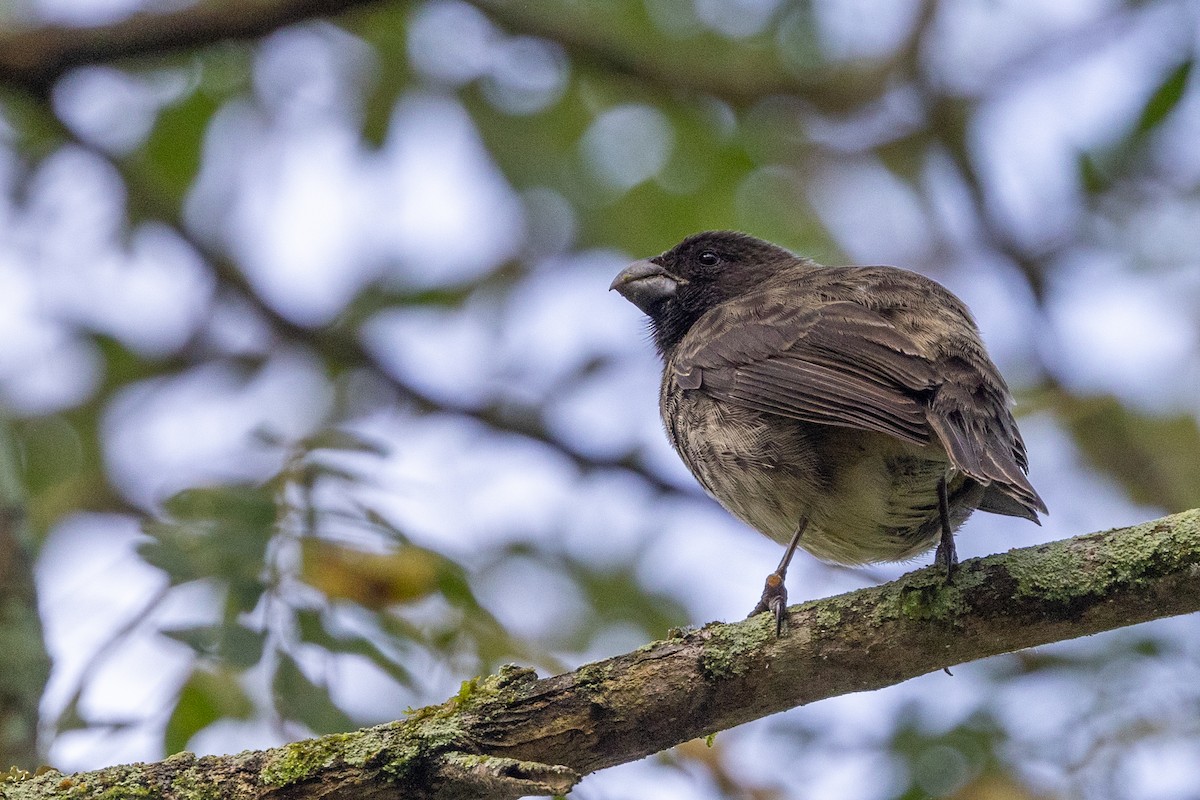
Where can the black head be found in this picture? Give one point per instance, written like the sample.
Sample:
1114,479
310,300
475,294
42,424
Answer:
676,288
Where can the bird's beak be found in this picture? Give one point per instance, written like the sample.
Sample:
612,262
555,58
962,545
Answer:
645,284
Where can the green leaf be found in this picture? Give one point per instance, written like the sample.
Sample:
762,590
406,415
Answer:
172,153
1165,98
385,28
248,505
233,644
29,125
312,629
204,699
345,440
1093,176
298,698
1156,458
218,533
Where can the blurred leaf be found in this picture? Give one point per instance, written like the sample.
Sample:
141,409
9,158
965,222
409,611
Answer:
29,125
456,588
298,698
373,580
906,157
381,523
61,470
944,762
1099,170
385,27
249,506
616,595
204,699
233,644
172,152
996,786
1156,458
217,533
311,627
1121,653
1093,176
1165,98
342,439
124,366
52,451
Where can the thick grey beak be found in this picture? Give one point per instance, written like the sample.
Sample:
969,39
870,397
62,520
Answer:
645,284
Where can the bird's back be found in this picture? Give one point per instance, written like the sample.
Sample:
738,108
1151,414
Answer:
832,394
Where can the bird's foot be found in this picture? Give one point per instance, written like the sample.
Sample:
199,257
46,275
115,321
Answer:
774,599
946,557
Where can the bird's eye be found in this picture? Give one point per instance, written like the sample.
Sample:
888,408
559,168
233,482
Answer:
708,258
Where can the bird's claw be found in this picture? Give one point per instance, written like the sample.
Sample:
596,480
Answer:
774,599
947,558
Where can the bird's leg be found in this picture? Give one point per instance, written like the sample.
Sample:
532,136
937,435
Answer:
774,596
946,553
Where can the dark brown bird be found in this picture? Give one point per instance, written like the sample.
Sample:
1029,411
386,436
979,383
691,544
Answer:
850,410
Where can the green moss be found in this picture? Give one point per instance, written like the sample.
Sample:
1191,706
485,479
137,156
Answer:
1148,549
297,761
1053,573
1133,555
15,775
121,783
407,756
728,647
934,600
465,691
827,615
501,687
592,674
398,748
193,784
511,675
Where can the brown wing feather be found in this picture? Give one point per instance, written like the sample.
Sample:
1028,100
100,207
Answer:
843,364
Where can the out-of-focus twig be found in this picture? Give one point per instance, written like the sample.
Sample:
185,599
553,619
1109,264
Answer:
34,58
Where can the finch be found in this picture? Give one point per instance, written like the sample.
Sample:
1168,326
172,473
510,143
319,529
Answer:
850,411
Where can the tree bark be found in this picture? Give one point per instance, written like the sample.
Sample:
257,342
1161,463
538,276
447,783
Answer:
511,734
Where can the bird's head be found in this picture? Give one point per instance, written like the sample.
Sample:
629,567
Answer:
678,287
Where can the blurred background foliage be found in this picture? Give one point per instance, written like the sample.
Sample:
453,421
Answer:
315,405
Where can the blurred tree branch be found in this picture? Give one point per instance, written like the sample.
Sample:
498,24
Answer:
739,83
35,58
511,734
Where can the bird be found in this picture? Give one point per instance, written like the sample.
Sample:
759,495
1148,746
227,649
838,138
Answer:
851,411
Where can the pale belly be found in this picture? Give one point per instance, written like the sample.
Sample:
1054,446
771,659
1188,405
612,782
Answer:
868,497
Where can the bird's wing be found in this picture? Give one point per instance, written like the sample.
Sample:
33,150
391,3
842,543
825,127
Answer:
842,364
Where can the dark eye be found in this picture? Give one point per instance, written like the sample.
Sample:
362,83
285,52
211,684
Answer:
708,258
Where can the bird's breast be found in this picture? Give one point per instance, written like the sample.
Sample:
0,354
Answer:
867,497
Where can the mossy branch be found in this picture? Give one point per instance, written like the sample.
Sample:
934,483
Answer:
512,734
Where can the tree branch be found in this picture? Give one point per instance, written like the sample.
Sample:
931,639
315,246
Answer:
511,734
35,58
